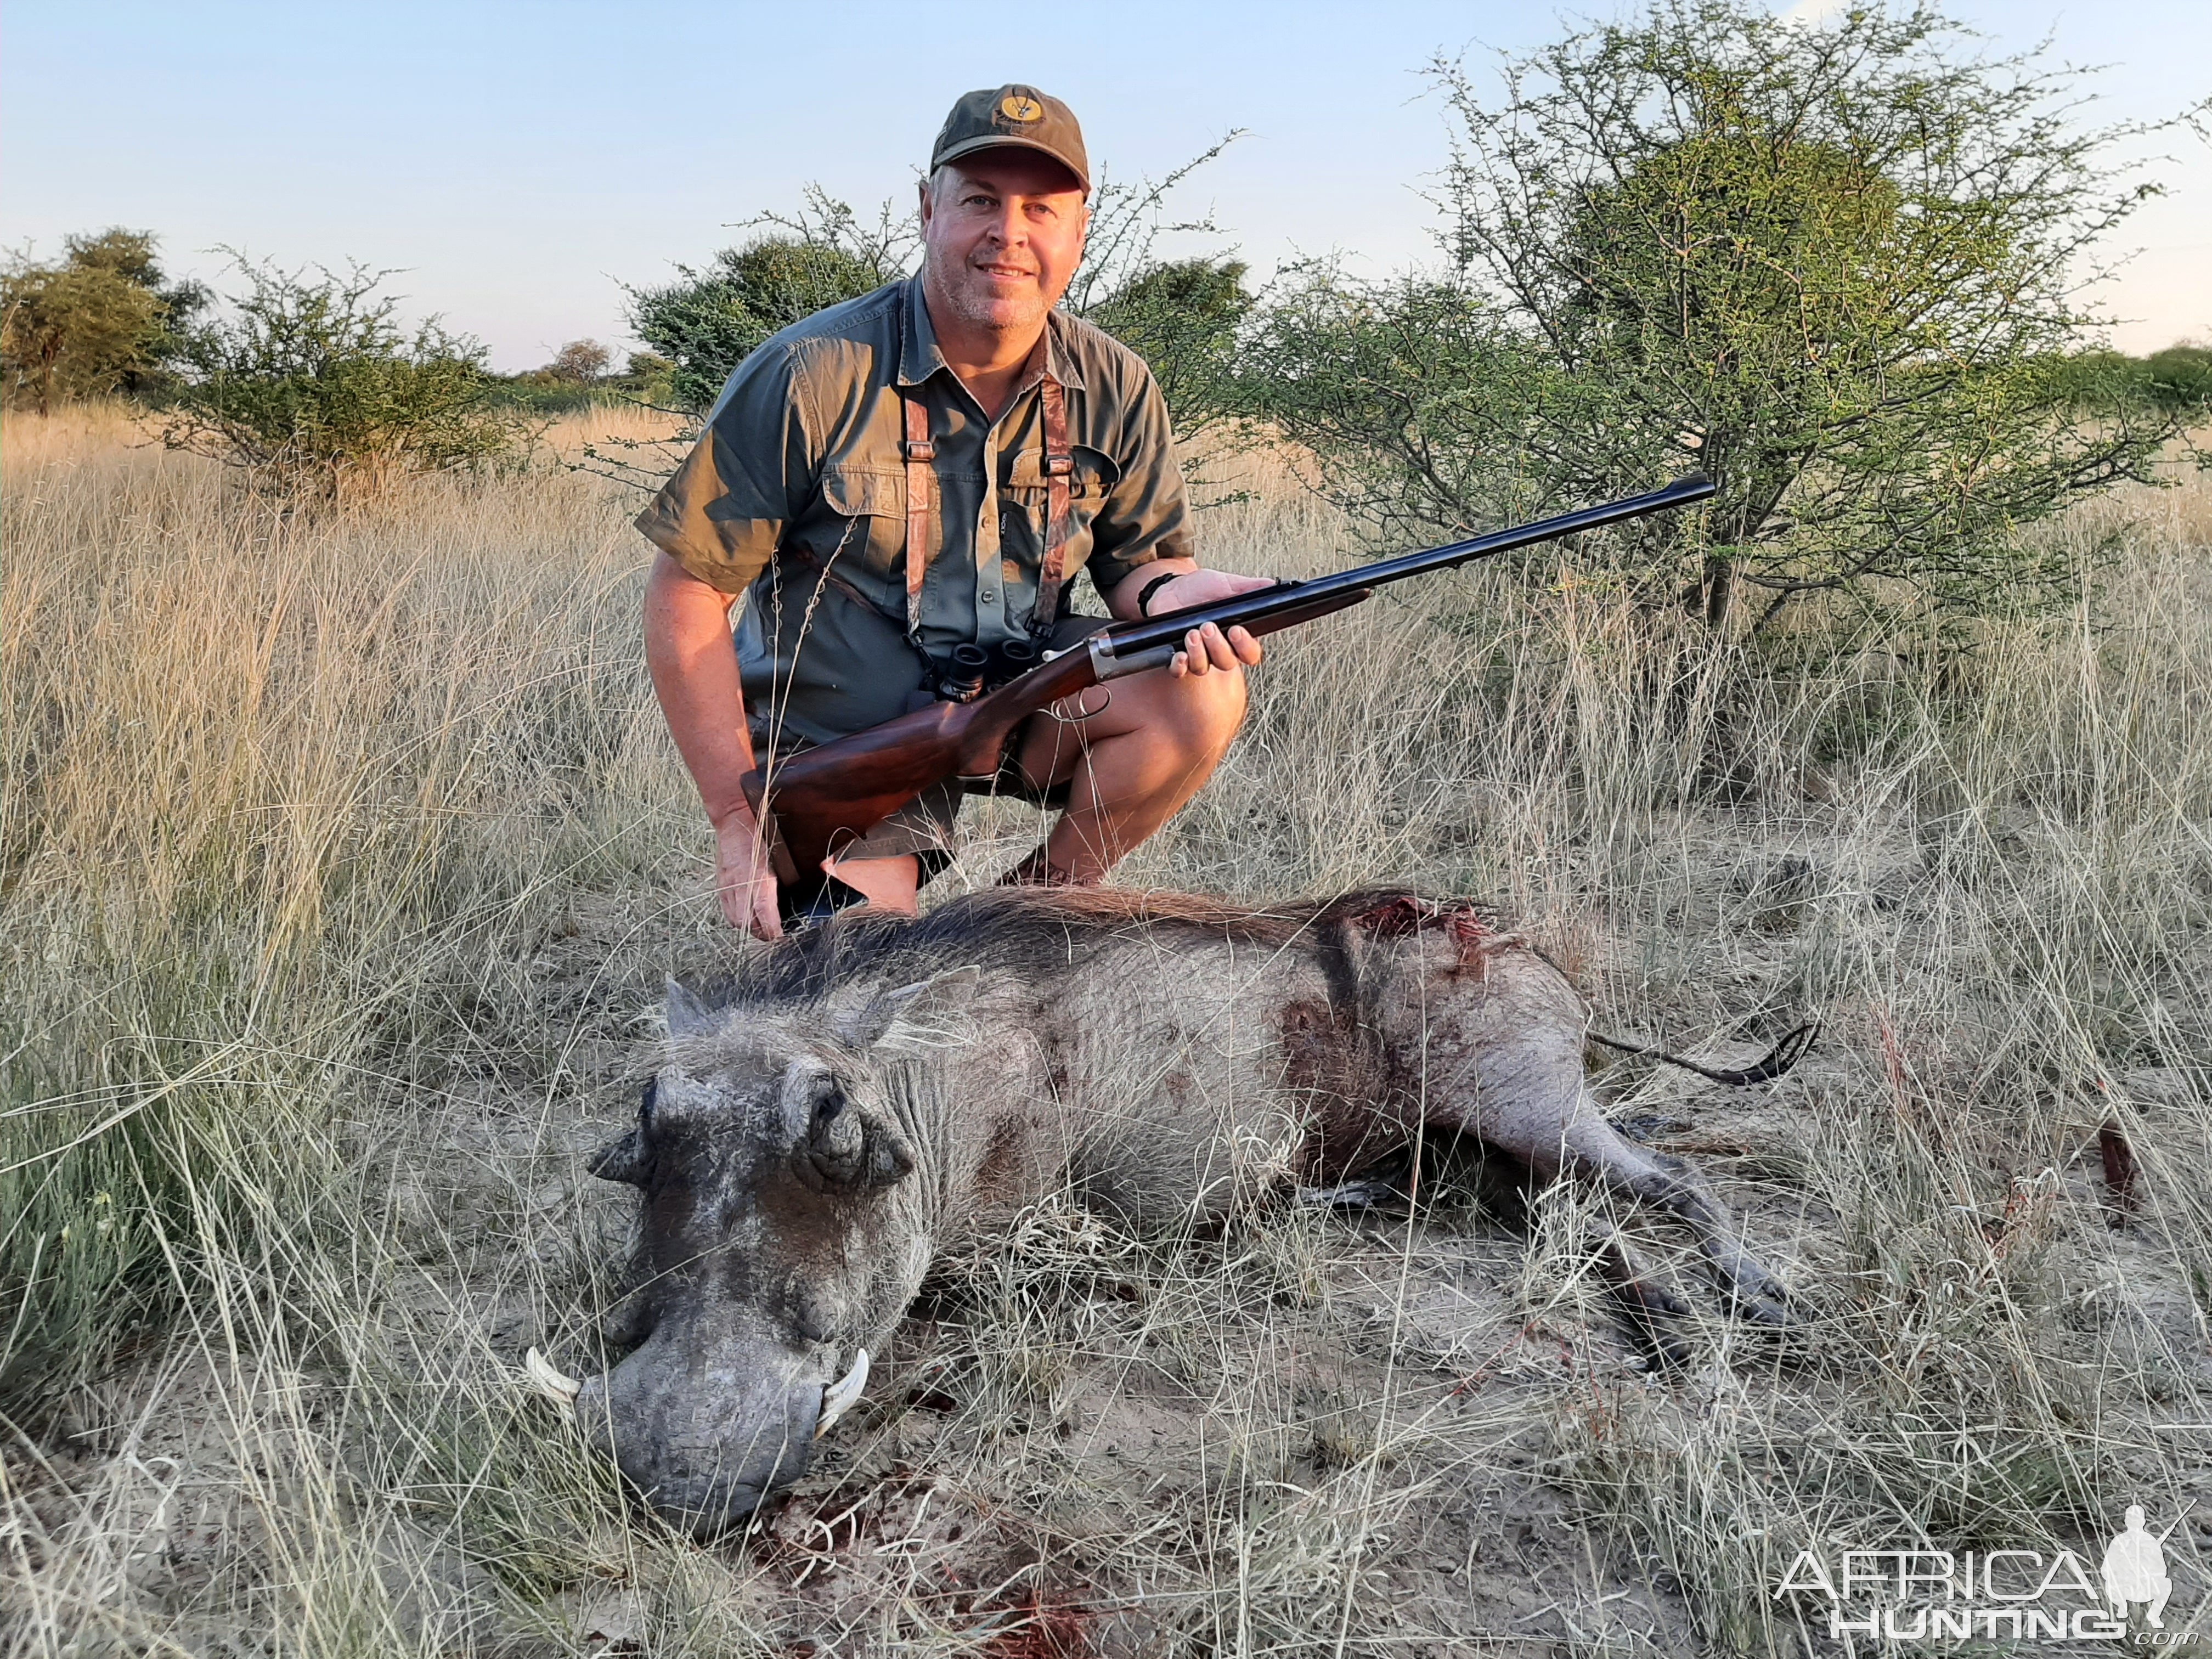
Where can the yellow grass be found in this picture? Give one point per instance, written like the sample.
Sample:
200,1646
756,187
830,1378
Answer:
340,860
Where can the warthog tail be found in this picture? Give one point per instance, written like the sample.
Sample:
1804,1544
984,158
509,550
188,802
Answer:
1776,1063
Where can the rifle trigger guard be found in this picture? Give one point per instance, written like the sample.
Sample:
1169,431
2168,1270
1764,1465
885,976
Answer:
1081,713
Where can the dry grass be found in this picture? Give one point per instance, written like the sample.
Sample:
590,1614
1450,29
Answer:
338,859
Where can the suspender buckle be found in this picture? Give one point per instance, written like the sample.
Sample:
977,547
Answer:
922,451
1058,467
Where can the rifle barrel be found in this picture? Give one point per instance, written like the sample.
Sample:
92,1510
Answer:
1168,628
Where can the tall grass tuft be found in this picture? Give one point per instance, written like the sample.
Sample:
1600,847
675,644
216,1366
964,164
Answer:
282,796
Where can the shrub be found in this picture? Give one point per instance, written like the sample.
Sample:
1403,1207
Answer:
311,385
101,319
1180,315
2182,375
649,377
709,321
577,378
581,363
1833,266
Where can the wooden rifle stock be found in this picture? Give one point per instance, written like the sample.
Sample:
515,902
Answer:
820,800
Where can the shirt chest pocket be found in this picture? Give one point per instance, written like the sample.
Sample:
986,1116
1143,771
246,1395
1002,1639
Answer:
872,503
1088,487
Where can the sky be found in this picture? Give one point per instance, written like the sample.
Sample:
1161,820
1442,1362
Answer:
517,164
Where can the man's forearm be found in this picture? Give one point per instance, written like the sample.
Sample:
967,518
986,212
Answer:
695,675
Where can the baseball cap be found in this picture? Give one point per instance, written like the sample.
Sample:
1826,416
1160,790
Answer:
1015,115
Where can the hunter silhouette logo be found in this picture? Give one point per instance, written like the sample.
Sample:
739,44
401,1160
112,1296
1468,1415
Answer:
1015,107
1923,1594
2134,1569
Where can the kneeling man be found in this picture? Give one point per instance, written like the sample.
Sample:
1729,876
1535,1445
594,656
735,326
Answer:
922,469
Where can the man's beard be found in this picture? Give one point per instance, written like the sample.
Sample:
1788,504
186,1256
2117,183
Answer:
1000,313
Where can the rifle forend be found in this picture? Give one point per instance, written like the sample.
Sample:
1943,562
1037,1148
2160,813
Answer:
814,803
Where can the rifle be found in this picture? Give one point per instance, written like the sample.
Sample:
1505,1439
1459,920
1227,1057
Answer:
822,797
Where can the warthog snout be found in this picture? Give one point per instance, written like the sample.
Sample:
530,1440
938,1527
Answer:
705,1433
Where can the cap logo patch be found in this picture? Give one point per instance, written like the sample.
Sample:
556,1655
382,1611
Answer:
1015,107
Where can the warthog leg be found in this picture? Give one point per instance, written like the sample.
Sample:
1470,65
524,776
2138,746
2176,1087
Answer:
1529,1098
1490,1034
1594,1148
1650,1306
1390,1181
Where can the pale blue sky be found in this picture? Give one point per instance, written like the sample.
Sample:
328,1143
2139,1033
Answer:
518,160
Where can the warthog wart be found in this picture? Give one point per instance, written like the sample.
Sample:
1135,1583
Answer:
871,1093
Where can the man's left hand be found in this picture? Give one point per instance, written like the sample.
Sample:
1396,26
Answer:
1208,649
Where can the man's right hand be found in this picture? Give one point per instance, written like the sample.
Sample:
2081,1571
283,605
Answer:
743,877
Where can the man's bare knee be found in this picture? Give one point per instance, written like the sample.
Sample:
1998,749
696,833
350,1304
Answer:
1213,709
891,884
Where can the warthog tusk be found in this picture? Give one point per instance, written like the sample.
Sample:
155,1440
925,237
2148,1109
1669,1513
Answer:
837,1399
549,1383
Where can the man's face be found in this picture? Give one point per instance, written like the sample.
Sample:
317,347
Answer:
1002,233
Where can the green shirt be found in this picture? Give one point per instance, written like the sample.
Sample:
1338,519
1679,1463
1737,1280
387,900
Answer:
800,470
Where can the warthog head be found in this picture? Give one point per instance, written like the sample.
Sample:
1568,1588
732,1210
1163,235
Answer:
779,1237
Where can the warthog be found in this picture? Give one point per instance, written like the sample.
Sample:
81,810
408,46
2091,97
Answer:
873,1092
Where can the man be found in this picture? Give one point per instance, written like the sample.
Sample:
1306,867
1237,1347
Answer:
921,469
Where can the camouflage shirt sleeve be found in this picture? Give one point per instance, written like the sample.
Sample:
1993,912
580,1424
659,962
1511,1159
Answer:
1146,514
722,515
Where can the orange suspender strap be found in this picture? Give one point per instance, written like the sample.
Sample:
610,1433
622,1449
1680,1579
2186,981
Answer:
921,477
1059,468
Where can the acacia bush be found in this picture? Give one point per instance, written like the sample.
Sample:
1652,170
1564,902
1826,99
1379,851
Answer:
1833,266
709,321
1182,317
705,323
311,385
101,318
2180,377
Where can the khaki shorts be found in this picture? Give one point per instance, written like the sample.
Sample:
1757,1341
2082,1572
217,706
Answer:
925,828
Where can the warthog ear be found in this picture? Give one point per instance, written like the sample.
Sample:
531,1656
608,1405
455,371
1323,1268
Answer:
685,1012
840,1147
897,1016
866,1025
628,1159
620,1160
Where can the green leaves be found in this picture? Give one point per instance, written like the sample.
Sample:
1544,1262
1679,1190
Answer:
710,321
1182,317
97,321
1833,266
311,383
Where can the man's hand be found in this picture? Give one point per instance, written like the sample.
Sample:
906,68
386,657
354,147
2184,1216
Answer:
742,877
1208,649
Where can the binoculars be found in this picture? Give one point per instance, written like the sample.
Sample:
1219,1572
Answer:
973,670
